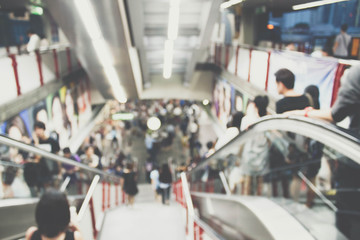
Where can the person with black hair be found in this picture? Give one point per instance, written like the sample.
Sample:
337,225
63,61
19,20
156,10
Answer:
285,81
165,179
256,110
312,93
52,216
49,144
128,183
341,43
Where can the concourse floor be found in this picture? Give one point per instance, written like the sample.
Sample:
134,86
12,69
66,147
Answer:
147,219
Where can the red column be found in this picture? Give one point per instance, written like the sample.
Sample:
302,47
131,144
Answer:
14,65
93,220
220,56
109,192
267,71
38,59
56,64
68,54
250,53
116,194
227,49
103,196
237,59
79,186
339,72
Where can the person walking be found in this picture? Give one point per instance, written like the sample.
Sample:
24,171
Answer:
128,183
342,42
165,183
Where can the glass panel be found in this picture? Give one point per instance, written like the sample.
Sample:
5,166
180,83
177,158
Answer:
26,175
316,184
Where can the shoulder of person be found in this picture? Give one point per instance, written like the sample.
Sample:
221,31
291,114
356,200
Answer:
30,232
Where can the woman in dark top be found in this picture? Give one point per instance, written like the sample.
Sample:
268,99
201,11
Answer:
128,183
165,179
52,216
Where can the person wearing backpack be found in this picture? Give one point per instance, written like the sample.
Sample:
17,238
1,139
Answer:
342,42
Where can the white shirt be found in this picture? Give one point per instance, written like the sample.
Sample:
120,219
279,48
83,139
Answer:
34,43
154,176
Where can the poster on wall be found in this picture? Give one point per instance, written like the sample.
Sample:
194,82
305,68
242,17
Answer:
64,112
223,101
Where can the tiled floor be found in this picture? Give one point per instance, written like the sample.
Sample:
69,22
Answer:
147,219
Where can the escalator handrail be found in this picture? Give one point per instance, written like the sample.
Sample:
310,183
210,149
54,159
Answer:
267,220
51,156
347,142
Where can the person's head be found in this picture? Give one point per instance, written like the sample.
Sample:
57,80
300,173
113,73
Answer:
52,213
40,113
129,166
16,128
67,152
30,32
39,128
209,145
261,103
89,150
285,80
58,114
313,91
344,27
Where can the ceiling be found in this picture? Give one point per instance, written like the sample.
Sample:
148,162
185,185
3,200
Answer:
134,33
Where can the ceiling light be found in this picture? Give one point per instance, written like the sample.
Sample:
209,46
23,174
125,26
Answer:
174,13
87,15
153,123
229,3
114,81
102,52
315,4
205,102
168,58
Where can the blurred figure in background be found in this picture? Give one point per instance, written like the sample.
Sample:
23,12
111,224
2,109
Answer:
165,183
128,183
34,41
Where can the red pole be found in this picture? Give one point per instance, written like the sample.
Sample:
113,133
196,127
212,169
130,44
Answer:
103,196
227,56
336,85
14,64
267,71
116,194
68,58
220,56
79,184
109,192
38,59
250,53
93,220
237,60
56,64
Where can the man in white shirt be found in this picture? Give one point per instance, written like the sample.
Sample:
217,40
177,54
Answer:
34,41
155,183
342,42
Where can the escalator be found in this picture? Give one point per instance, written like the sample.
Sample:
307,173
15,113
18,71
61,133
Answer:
284,178
23,180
